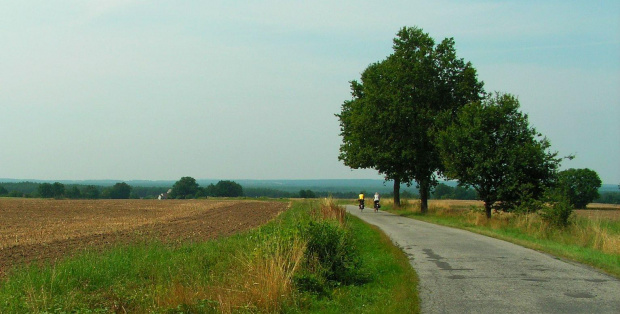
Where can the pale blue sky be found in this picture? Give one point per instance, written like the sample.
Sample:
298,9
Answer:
129,89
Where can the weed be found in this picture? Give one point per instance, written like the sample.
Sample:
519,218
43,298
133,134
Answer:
329,210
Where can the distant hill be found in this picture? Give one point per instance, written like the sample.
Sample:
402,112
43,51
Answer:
609,188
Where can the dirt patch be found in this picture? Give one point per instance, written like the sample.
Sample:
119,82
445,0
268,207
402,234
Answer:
34,230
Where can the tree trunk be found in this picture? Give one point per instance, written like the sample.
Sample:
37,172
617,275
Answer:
487,209
424,192
397,193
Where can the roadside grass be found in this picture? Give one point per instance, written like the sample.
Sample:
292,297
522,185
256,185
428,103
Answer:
391,285
595,242
259,271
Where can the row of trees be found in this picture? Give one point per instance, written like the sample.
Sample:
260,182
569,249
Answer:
119,190
574,182
422,113
58,190
187,187
182,189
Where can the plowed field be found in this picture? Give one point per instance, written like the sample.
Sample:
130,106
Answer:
33,230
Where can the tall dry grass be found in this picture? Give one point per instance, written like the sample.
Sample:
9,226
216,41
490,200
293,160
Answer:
583,231
263,279
330,210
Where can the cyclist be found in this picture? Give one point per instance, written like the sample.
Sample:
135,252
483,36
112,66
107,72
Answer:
361,200
377,198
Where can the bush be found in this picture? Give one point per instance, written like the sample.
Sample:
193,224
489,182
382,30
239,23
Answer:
559,212
331,253
310,282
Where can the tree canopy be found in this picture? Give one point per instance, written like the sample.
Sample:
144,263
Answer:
579,185
391,121
47,190
492,148
226,188
91,192
120,190
186,187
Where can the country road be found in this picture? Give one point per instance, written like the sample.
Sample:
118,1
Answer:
463,272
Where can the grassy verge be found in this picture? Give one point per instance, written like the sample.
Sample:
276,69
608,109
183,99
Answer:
392,283
270,269
594,242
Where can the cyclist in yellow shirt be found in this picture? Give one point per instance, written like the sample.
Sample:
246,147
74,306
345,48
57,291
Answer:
361,200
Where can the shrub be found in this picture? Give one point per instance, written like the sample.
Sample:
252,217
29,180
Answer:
330,252
558,212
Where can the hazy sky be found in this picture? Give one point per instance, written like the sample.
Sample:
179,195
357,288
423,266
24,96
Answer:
128,89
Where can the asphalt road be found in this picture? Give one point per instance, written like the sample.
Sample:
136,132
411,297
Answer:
464,272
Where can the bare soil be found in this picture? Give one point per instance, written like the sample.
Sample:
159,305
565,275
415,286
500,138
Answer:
36,230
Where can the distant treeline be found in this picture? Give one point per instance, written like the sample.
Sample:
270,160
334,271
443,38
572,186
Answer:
77,191
119,190
608,198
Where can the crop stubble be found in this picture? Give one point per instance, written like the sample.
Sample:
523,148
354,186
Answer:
34,230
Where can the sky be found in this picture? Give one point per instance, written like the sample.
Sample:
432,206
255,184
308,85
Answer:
157,90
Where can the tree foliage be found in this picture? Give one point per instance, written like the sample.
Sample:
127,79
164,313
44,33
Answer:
579,185
45,190
226,188
91,192
73,193
492,148
58,189
307,194
186,187
119,190
390,122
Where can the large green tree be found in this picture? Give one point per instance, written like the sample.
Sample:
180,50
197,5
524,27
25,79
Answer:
120,190
226,188
371,133
186,187
491,147
391,121
579,185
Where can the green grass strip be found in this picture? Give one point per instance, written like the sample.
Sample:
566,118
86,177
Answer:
393,285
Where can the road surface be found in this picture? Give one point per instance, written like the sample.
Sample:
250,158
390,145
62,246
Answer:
464,272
